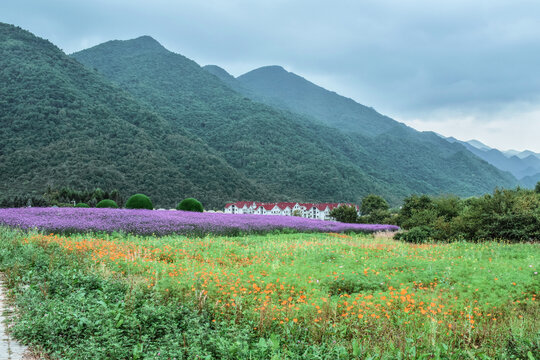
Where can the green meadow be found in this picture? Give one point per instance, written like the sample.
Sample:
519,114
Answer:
279,296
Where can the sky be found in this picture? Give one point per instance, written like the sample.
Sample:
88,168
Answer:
468,69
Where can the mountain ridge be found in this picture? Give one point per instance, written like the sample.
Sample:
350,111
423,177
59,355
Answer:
65,125
526,169
164,81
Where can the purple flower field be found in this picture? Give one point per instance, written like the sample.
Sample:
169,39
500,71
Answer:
148,222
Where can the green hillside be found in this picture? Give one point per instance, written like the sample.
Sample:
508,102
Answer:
295,156
431,164
275,86
64,125
283,152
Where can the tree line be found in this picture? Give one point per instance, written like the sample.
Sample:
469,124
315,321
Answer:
511,215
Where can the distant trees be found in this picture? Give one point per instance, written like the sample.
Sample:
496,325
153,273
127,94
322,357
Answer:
537,188
375,210
508,215
67,196
345,214
23,201
372,203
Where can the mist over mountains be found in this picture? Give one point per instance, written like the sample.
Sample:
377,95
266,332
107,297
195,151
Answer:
137,117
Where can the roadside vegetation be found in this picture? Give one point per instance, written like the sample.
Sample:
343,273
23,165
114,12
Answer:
288,296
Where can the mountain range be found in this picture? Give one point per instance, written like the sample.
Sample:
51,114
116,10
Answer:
65,125
135,116
524,165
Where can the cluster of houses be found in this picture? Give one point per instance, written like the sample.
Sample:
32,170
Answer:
307,210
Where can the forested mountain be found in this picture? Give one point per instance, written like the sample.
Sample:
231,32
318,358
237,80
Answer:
273,85
64,125
521,154
294,155
387,139
525,165
283,152
520,167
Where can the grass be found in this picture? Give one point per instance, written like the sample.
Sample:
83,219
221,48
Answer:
276,296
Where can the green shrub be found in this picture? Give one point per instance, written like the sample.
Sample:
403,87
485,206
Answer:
345,214
190,204
378,217
139,201
106,203
416,235
83,205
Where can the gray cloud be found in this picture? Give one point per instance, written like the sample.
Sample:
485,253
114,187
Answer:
423,62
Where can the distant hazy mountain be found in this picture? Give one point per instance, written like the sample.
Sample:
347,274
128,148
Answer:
521,154
294,155
477,144
65,125
524,165
508,153
530,181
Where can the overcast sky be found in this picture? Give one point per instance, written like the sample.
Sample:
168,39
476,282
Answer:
469,69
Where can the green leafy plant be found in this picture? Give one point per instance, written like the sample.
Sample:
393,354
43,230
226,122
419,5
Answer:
107,203
416,235
83,205
139,201
345,214
190,204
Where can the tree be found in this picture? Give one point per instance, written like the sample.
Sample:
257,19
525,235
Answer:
297,213
345,214
416,211
190,204
372,203
139,201
107,203
537,188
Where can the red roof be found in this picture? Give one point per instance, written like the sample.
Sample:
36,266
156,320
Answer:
284,205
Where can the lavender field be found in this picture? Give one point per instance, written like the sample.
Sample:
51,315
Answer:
151,222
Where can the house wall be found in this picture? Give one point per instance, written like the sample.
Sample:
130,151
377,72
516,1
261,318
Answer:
311,212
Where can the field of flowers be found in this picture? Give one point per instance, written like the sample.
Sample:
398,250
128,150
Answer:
149,222
363,295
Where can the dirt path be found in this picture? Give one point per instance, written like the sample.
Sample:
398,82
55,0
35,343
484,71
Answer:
10,349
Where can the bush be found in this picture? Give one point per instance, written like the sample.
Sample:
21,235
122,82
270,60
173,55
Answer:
139,201
83,205
345,214
509,215
107,204
190,204
417,235
373,203
378,217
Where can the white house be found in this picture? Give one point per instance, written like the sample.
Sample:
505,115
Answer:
309,210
